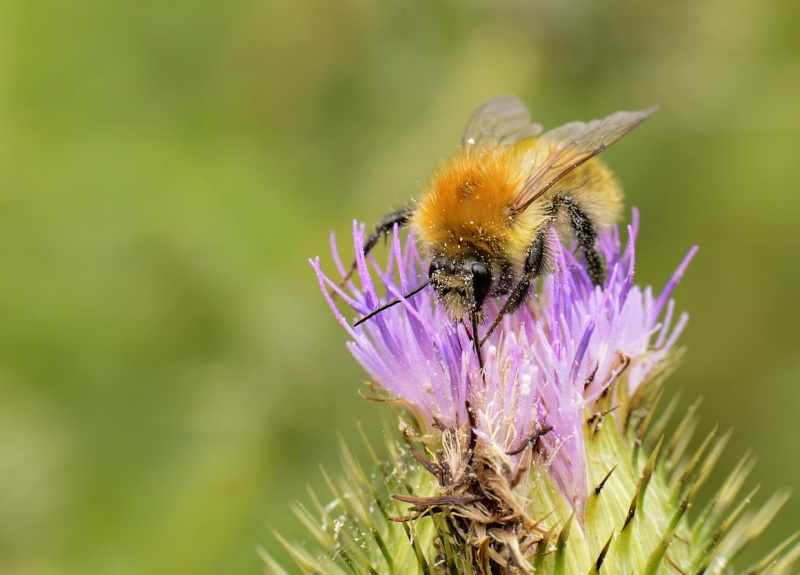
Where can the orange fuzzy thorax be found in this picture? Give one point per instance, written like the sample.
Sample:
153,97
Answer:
467,206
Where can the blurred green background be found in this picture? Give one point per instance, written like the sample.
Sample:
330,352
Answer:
170,377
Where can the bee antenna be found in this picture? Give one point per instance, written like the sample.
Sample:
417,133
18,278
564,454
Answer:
387,305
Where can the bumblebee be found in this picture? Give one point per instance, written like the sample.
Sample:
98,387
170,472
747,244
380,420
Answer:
484,220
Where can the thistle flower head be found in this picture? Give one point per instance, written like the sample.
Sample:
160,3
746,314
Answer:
547,365
547,457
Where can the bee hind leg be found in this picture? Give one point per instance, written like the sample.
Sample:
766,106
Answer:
585,234
383,228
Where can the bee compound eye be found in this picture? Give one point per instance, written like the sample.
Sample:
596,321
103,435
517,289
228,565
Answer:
481,281
437,264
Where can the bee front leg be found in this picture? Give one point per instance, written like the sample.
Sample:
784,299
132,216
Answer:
537,263
384,226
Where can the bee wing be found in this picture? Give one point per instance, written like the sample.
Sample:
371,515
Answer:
560,150
502,120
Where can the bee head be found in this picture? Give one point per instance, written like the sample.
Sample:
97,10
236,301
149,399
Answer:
460,285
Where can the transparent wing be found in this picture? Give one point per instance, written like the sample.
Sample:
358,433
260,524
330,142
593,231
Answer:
562,149
502,120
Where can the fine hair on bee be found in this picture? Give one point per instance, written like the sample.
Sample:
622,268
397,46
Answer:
484,222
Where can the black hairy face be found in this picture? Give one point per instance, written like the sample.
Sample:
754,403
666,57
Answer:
461,285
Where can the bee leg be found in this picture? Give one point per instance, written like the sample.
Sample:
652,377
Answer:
585,234
384,226
537,263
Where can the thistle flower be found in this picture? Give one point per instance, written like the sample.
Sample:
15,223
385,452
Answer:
549,457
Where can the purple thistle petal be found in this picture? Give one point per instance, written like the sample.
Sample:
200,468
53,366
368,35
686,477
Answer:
673,282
